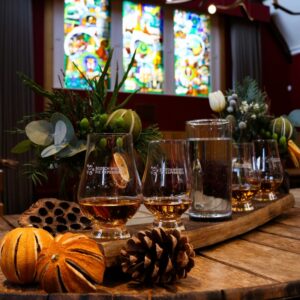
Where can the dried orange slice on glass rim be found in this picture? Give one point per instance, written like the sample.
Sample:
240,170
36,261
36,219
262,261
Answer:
122,177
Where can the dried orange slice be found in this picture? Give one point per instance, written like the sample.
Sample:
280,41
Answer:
121,178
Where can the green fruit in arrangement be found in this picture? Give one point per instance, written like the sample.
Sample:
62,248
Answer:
84,124
127,119
119,142
283,141
275,136
282,126
268,134
102,143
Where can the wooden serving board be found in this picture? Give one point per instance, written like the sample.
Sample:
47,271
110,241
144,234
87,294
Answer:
202,234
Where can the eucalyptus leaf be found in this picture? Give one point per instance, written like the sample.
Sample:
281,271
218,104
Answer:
52,150
60,132
70,134
73,150
294,117
40,132
21,147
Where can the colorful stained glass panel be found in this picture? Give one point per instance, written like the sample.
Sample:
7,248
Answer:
142,31
192,53
86,40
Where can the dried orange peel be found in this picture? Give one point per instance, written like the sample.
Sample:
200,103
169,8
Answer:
120,178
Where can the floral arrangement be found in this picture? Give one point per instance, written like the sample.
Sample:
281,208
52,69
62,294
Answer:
58,135
246,107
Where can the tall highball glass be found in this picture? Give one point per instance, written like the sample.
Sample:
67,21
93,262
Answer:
210,154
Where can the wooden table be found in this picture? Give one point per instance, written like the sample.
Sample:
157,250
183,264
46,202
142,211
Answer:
261,264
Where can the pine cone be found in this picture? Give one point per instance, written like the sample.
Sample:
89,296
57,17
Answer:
157,256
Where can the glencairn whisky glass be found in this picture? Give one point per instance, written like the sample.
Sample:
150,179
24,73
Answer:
245,177
109,191
270,168
166,182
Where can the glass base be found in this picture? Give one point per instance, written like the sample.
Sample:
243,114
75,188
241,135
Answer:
265,196
169,224
242,206
110,233
210,216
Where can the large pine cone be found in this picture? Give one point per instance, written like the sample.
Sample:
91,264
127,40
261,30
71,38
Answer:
157,256
55,216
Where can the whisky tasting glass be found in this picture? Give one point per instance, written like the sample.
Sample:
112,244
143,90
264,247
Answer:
270,168
166,182
109,191
245,177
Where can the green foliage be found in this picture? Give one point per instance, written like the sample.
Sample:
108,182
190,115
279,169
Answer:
247,109
58,135
250,91
148,134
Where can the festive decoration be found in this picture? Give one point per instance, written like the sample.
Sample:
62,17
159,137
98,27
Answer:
217,101
71,263
282,127
294,153
157,256
58,135
55,216
19,251
246,108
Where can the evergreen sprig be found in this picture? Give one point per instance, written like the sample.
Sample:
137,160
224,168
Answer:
76,105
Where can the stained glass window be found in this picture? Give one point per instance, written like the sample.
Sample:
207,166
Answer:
86,40
192,53
142,31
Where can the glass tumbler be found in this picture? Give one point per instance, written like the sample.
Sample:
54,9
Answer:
166,182
210,154
270,168
109,191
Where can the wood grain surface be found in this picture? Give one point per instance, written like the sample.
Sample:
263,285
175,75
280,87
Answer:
261,264
202,234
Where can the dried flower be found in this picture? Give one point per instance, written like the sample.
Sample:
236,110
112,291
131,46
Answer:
242,125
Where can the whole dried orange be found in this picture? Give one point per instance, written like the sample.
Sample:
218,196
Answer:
19,251
71,263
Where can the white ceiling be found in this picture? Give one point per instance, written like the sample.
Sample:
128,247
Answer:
288,25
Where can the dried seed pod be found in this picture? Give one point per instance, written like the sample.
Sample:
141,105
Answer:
55,216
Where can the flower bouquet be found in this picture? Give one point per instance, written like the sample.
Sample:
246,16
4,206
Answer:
58,135
247,108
